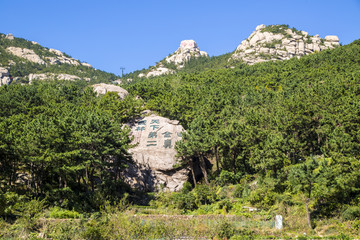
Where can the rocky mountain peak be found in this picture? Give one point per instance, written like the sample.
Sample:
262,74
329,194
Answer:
187,50
279,42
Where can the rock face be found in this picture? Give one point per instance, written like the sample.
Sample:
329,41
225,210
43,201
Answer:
28,54
103,88
52,76
159,71
9,36
187,50
4,77
154,156
278,42
61,58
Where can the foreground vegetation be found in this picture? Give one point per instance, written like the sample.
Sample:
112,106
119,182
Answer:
279,138
227,218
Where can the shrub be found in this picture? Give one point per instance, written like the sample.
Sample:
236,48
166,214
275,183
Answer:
227,177
57,212
204,195
10,203
351,213
92,233
225,230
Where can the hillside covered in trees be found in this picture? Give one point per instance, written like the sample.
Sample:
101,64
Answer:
22,58
283,137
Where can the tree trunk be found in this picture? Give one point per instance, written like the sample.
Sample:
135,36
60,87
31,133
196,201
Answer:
217,158
308,213
192,171
203,168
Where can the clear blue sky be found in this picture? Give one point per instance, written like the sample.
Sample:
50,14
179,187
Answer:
135,34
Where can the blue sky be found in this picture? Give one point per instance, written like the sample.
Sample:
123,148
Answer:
135,34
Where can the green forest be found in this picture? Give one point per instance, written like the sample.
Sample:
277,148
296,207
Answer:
280,137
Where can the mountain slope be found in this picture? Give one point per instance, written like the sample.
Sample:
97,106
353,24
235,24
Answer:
23,61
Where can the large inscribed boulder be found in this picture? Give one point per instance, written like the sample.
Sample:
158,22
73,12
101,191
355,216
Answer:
156,166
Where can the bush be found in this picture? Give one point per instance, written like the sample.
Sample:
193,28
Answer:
225,230
57,212
186,188
351,213
92,232
204,195
186,202
238,191
9,203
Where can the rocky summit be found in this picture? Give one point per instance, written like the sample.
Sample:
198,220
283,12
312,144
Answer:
188,49
156,166
279,42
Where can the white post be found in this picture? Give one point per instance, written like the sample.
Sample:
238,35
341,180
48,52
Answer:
278,222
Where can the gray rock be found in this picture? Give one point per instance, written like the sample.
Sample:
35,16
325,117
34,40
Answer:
61,58
9,36
4,76
28,54
331,38
161,70
51,76
103,88
156,166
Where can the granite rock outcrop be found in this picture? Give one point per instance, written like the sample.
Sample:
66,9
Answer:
279,42
25,53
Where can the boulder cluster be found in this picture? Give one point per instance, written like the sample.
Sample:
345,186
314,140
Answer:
278,42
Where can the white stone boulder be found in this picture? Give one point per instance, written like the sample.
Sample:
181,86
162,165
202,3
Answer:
103,88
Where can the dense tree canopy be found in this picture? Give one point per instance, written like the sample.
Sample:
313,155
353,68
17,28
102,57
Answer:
265,119
58,139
